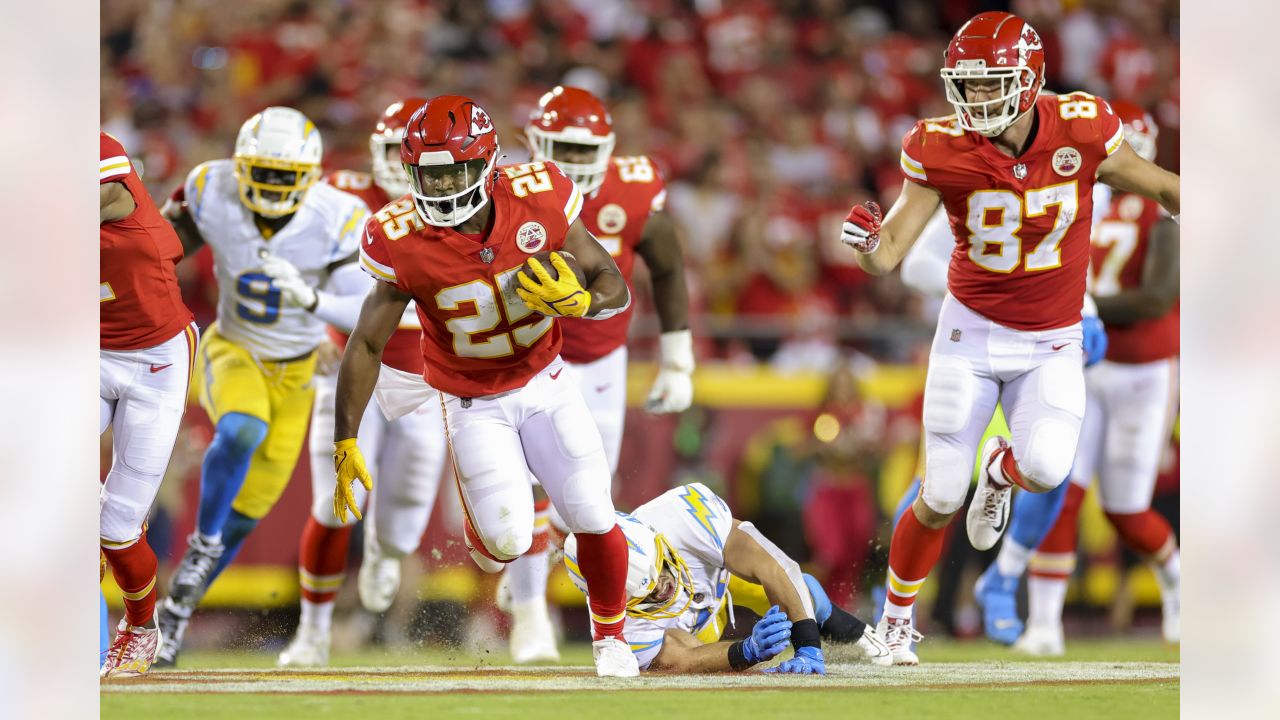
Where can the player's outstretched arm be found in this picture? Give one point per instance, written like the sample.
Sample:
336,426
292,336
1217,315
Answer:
1125,170
114,202
175,211
1158,290
754,558
660,247
609,293
684,653
358,373
889,240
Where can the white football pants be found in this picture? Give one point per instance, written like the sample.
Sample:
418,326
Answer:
405,455
1036,376
543,429
142,395
603,384
1126,428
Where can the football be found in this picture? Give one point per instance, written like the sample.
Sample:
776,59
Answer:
544,258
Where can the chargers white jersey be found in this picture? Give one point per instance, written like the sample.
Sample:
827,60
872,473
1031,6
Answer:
327,227
696,522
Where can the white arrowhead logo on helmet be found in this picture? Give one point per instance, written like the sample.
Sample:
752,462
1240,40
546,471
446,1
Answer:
480,122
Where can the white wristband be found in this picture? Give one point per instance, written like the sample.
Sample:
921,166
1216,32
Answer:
677,350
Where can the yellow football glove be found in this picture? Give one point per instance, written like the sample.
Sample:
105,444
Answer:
564,296
349,464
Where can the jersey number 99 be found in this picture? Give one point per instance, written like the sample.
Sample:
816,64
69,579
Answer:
259,299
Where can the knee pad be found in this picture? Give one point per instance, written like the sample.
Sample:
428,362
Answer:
125,500
948,394
498,544
1049,454
586,506
239,434
946,479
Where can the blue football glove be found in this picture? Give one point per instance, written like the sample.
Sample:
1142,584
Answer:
821,603
807,661
1095,340
769,637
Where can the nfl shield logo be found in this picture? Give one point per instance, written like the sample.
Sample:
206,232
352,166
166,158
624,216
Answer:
486,255
955,335
1020,171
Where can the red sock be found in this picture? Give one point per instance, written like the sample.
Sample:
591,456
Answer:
322,560
134,569
1145,532
1056,556
913,552
603,562
541,527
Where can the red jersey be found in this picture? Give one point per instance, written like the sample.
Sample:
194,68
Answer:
1021,224
478,336
404,347
615,214
1119,256
139,302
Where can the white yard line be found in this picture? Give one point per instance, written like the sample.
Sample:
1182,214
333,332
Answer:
438,679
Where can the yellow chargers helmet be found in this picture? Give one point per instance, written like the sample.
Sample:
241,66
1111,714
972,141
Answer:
277,159
648,554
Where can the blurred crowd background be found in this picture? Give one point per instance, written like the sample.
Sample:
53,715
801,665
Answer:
768,120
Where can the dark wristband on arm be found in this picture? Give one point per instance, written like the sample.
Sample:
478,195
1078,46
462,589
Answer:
738,656
805,634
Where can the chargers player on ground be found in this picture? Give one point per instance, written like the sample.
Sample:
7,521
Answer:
1015,171
458,247
148,341
264,218
1133,398
689,561
623,201
408,450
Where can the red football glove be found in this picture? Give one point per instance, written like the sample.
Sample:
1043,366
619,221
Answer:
862,227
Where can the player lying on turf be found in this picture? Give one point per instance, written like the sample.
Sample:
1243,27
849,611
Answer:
689,560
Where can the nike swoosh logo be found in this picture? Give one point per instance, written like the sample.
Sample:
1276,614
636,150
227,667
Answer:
999,528
1056,348
602,388
157,368
556,374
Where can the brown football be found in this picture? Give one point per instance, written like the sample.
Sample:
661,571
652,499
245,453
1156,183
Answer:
544,258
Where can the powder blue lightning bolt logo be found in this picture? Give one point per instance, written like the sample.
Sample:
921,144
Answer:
701,508
632,543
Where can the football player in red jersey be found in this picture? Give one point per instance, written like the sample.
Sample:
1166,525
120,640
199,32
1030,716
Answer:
1132,402
623,200
148,339
408,449
1015,171
456,246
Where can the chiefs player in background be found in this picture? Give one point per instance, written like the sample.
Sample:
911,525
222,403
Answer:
623,200
408,450
148,342
457,247
1015,171
1133,399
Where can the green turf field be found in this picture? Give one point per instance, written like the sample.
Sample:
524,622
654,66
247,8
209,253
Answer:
1098,679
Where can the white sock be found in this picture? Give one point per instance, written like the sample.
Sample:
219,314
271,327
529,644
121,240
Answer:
1013,558
527,577
318,616
897,612
1169,573
1045,598
214,539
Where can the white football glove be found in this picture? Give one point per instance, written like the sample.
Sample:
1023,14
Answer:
861,229
673,388
288,280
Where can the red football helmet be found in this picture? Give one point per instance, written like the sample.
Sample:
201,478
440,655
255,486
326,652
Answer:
387,173
580,123
450,148
1140,129
994,46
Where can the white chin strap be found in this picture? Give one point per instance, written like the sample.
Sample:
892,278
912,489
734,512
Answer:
444,211
587,176
978,116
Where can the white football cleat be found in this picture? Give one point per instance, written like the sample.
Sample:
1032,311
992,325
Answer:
614,658
533,639
875,648
378,581
133,651
899,635
1042,641
502,595
309,648
989,511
